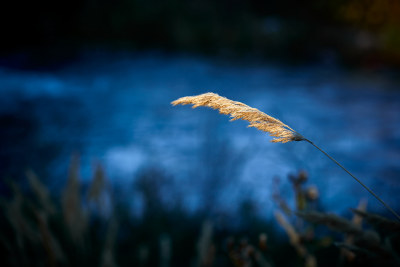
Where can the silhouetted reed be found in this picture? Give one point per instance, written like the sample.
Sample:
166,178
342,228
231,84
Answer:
379,246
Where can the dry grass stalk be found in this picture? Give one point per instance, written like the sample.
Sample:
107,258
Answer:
98,185
143,254
362,206
378,221
237,110
41,193
165,244
205,246
375,251
50,244
349,240
261,260
365,239
355,249
295,240
24,229
263,122
108,256
372,254
75,217
333,222
294,237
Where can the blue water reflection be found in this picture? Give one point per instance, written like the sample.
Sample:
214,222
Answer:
116,109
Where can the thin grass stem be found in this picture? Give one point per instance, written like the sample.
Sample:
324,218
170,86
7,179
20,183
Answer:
355,178
281,132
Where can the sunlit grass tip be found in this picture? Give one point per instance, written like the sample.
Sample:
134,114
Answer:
237,110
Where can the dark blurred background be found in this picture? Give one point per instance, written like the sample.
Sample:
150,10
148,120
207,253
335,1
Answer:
97,168
357,32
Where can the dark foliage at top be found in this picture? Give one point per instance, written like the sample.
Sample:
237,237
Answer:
348,31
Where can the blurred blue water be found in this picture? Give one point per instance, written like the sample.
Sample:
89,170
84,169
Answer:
115,108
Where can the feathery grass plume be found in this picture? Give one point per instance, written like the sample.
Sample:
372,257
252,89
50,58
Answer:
277,129
237,110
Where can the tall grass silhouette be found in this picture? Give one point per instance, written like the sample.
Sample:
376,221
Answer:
41,227
281,132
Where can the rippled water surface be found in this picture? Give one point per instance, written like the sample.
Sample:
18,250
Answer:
116,109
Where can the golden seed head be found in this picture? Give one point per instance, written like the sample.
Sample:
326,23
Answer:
237,110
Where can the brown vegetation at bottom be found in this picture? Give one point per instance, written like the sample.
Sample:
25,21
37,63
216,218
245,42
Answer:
77,229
